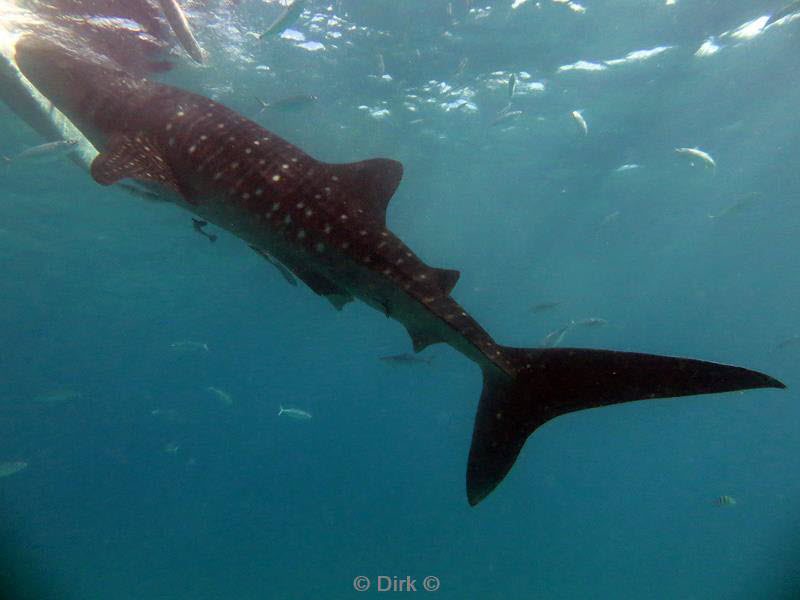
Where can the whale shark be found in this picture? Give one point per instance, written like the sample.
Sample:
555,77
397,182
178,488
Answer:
326,223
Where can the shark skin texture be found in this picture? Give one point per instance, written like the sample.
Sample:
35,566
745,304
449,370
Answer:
326,224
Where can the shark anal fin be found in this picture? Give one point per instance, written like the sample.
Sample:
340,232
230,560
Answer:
553,381
368,184
421,339
323,286
134,156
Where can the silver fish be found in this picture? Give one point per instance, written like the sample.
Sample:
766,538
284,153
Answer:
708,161
188,345
590,322
543,306
787,342
12,466
224,396
407,359
290,103
285,19
724,501
578,116
554,338
43,153
502,117
295,413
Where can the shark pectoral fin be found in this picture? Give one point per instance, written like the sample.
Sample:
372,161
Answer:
285,273
134,156
554,381
368,184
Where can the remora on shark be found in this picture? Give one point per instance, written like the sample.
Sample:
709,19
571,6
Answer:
326,223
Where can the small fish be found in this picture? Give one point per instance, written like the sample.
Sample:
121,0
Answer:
172,447
578,116
609,218
627,167
737,205
590,322
169,414
381,66
57,396
543,306
790,8
285,19
724,501
141,192
792,340
407,359
289,104
512,82
294,413
44,153
199,225
188,345
285,273
462,64
502,117
554,338
11,466
224,396
697,153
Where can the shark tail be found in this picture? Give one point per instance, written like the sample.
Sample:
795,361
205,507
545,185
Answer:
280,409
553,381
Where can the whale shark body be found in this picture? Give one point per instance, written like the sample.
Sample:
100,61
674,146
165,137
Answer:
326,223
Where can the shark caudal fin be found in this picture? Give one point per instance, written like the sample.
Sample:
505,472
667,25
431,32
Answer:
554,381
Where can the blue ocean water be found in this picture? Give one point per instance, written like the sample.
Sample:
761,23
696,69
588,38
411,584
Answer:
144,483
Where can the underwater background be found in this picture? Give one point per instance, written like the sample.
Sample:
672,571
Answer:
142,368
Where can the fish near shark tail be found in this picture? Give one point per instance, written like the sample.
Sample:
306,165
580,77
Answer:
553,381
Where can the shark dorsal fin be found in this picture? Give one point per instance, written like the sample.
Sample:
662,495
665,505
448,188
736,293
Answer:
369,184
133,155
446,279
